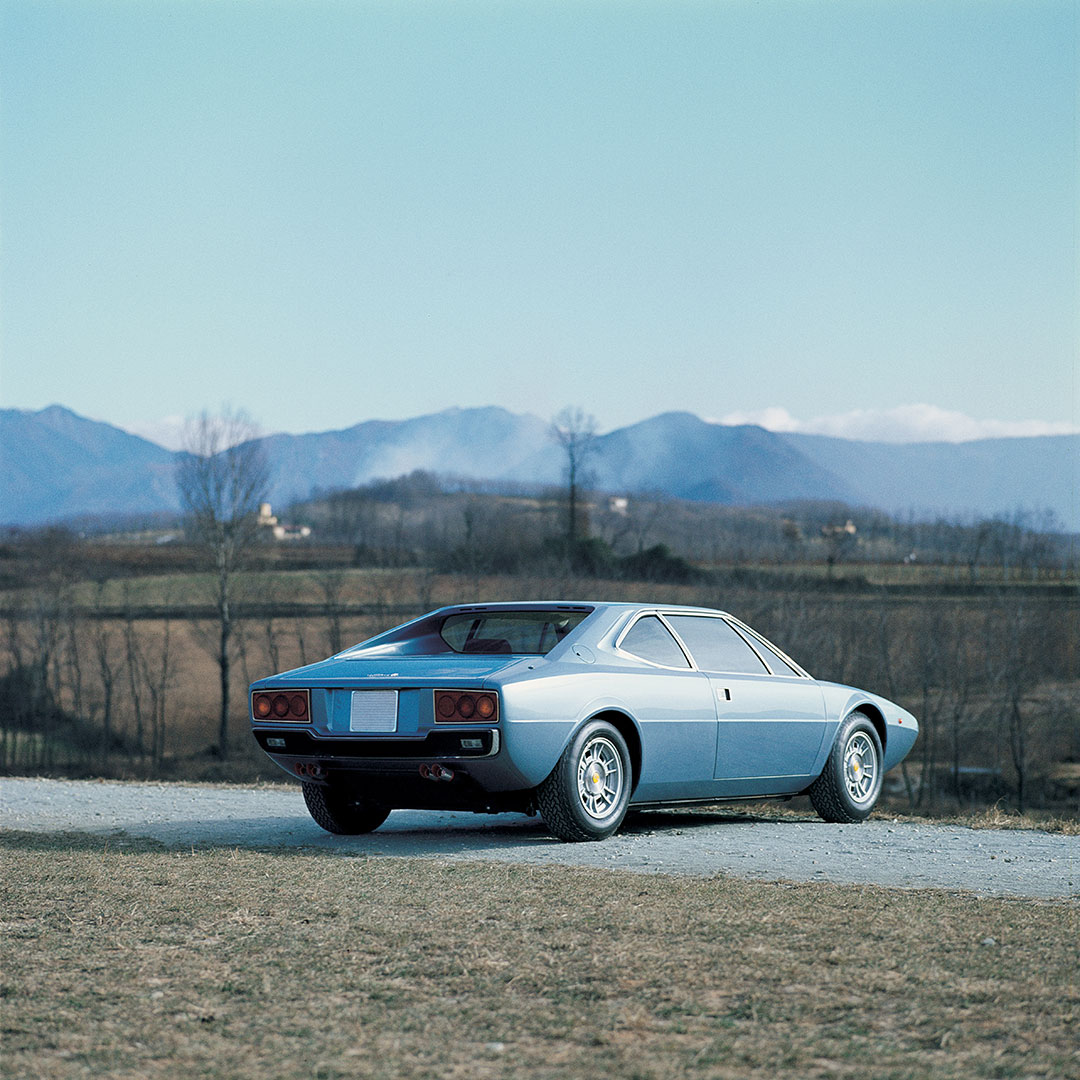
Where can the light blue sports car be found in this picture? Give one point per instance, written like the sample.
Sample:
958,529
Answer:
578,711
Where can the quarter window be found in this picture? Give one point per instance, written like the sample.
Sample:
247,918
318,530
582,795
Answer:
779,665
715,645
649,639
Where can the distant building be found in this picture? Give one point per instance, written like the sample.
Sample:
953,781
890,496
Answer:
292,532
280,531
839,532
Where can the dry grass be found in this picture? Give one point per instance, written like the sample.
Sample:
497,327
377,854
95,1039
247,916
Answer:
995,817
425,588
398,590
138,962
992,817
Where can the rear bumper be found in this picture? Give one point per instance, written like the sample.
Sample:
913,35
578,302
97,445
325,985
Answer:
391,770
440,744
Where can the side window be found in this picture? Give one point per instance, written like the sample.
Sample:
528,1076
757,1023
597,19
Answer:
715,646
779,665
649,639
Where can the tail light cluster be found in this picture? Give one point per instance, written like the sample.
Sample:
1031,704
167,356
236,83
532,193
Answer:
284,705
465,707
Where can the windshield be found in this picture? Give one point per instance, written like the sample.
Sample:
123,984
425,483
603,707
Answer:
532,632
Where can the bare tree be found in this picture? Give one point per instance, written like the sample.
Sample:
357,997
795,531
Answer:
332,584
1013,647
104,646
222,479
273,650
134,680
158,673
575,431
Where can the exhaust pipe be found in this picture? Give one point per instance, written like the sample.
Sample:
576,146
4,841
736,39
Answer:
436,772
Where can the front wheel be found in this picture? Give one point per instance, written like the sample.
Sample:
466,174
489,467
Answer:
587,793
850,783
342,812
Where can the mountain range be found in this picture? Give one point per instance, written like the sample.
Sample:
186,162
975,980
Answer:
57,466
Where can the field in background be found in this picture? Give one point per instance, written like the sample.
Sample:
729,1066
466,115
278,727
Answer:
109,654
123,960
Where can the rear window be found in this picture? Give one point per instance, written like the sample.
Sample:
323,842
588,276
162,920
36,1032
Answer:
494,632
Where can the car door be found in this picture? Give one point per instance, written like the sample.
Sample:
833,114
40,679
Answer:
673,706
770,720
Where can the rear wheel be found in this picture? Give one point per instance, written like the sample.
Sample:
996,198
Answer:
341,811
587,793
850,783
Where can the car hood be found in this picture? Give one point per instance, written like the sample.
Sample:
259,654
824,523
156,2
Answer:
453,669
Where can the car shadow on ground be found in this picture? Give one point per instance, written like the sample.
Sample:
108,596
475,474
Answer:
405,833
432,833
651,822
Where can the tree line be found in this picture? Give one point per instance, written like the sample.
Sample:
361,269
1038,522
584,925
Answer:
95,675
102,678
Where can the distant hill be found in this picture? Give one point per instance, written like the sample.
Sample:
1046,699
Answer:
682,455
983,478
55,465
483,444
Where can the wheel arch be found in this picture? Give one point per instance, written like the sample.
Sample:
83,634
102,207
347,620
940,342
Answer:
626,727
875,716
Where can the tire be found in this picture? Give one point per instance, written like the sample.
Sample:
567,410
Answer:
588,791
340,811
850,783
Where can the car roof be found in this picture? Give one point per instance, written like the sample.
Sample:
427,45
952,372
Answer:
576,605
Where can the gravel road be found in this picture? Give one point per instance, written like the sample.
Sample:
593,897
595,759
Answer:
878,852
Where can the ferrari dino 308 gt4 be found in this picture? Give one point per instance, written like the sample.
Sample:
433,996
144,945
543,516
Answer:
577,710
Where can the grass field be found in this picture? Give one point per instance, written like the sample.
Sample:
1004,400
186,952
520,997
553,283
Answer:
133,961
417,589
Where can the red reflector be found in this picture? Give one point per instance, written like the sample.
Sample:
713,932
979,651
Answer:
446,705
298,705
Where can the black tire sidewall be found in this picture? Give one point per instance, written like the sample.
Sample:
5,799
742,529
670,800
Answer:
856,722
558,797
569,767
342,812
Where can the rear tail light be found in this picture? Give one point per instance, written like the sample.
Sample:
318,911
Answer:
463,707
281,705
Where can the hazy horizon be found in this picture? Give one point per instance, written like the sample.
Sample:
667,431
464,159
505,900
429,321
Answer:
905,424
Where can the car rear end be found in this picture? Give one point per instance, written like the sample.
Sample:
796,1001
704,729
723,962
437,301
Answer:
409,732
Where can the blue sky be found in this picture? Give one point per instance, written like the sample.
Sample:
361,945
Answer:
853,217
